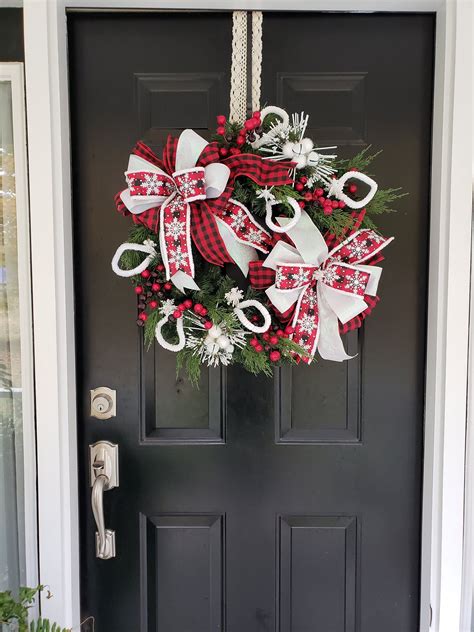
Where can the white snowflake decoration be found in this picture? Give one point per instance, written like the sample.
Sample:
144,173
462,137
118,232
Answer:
234,296
330,275
355,282
175,228
254,236
168,306
150,244
307,323
187,185
311,299
301,277
239,220
178,257
151,183
358,249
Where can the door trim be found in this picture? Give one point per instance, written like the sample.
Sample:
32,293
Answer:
448,302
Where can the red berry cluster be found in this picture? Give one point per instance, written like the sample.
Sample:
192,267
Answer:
271,339
154,288
316,196
234,142
197,308
150,291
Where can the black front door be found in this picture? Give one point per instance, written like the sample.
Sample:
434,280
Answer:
252,504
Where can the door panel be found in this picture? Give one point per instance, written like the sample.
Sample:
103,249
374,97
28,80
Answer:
251,504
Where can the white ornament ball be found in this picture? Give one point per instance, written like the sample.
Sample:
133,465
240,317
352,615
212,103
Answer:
208,340
306,145
287,150
215,331
223,341
230,349
212,346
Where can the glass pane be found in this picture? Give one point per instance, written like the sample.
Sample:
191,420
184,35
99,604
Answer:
12,556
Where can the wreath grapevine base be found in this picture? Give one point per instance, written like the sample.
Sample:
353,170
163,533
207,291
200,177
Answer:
260,195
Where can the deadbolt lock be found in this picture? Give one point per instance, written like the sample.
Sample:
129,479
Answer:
103,402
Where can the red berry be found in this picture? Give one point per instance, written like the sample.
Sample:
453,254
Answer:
223,151
353,169
257,115
177,313
160,267
188,303
142,316
319,192
220,130
303,179
308,196
352,188
250,124
208,324
182,307
254,318
327,210
299,186
289,330
138,289
266,336
153,304
198,308
258,347
203,311
335,204
145,274
280,332
273,340
275,356
321,199
156,287
240,141
302,203
168,286
254,342
221,119
342,204
235,151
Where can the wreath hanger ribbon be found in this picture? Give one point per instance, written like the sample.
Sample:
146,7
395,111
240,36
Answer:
327,287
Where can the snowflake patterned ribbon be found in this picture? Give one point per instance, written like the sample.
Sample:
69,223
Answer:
149,187
327,287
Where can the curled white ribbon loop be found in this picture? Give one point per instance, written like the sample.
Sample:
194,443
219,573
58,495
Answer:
148,247
270,202
179,330
337,189
267,319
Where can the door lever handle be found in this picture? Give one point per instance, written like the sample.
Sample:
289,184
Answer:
104,477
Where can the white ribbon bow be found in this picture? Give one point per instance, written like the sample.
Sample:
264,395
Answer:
327,287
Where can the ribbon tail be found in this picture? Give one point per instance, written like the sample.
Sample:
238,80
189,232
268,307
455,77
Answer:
241,254
183,281
181,271
330,345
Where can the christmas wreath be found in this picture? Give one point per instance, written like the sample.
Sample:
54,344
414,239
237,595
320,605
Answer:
261,196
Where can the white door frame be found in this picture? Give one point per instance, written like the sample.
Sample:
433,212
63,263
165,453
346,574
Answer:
448,303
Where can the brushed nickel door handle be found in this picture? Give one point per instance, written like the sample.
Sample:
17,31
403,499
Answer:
104,477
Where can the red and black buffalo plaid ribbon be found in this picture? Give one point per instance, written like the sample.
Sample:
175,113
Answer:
204,229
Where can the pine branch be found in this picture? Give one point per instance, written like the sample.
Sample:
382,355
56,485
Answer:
360,161
382,200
